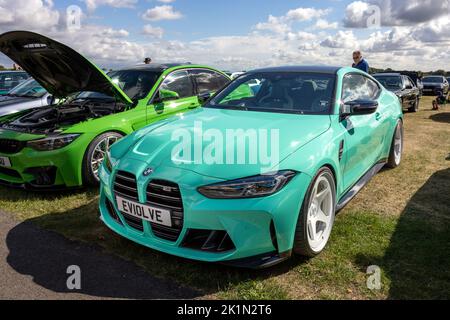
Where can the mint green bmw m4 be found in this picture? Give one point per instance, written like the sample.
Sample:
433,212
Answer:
259,172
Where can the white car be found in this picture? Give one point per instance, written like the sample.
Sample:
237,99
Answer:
26,95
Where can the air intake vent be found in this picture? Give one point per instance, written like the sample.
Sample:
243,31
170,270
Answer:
11,146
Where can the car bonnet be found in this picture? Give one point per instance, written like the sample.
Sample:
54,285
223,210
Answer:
58,68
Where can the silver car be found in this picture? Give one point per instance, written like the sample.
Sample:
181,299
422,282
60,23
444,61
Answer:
27,95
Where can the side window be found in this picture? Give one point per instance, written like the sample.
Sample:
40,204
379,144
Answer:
406,82
359,87
208,81
178,82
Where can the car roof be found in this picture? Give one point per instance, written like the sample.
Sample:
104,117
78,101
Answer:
390,74
157,67
434,76
306,69
12,71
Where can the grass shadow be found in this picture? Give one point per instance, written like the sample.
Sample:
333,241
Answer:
417,260
441,117
83,225
21,195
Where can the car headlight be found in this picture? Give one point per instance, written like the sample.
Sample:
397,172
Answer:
52,143
252,187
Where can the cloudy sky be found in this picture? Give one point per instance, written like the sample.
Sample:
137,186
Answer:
242,34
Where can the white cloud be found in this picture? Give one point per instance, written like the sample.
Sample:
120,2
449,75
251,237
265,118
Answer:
166,1
423,45
396,12
342,39
323,24
28,14
93,4
274,24
282,24
156,32
306,14
164,12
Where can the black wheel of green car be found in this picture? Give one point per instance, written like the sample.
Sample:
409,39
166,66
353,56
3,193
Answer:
317,214
95,154
395,155
415,106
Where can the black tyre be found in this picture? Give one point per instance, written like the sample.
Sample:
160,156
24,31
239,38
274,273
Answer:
395,155
415,106
317,214
95,155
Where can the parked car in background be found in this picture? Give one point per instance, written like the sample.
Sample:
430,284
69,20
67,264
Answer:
435,84
11,79
30,94
337,128
403,87
63,145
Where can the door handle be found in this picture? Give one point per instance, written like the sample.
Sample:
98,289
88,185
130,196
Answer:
378,116
193,105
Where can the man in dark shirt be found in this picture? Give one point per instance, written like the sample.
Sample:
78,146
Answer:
359,62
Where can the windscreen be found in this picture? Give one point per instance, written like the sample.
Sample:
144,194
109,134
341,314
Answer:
288,92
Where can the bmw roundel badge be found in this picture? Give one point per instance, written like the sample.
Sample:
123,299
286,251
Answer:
148,172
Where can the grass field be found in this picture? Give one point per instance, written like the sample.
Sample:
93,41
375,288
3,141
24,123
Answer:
399,222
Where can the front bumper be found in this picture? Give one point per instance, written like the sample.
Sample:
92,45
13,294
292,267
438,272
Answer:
60,169
261,230
433,90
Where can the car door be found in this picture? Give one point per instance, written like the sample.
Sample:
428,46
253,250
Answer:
415,92
363,136
410,93
175,94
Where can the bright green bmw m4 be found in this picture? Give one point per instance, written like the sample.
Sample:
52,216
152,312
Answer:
259,172
63,145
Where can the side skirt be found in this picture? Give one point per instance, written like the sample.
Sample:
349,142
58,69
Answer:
346,198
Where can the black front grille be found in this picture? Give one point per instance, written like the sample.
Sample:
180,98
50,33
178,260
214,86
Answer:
10,172
125,185
11,146
166,195
162,194
135,223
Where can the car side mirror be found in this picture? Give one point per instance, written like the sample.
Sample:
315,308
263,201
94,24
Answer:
50,100
359,108
165,95
203,97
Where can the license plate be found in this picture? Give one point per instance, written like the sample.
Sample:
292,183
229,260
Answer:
5,162
144,212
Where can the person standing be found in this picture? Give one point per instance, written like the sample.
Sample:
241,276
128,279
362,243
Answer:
359,62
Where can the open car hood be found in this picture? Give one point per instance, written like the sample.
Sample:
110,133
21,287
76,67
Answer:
58,68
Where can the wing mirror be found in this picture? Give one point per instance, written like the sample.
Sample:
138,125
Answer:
359,107
50,100
203,97
166,95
